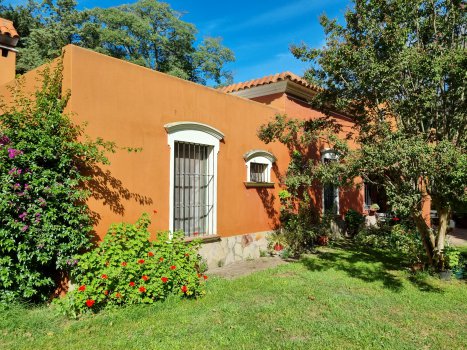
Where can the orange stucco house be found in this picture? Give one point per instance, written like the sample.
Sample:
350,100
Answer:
202,168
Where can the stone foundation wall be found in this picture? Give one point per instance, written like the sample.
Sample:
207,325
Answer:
227,250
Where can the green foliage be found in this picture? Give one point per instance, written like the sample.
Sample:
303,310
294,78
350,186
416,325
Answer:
147,32
354,220
397,238
44,220
453,257
127,268
398,68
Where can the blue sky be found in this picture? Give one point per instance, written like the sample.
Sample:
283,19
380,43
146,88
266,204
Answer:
258,31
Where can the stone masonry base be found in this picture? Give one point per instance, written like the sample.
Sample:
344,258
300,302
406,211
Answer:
231,249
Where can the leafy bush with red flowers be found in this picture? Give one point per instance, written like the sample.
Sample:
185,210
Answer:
127,268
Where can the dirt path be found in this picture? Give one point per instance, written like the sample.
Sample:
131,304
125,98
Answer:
246,267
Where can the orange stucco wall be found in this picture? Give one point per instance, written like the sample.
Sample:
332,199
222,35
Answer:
7,67
129,104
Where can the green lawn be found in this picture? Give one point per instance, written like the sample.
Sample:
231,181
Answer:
337,299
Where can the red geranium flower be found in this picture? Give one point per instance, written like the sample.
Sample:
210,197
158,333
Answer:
184,289
144,278
142,289
173,267
118,295
396,219
124,263
150,254
132,284
199,275
104,276
90,302
106,292
82,288
161,259
164,279
141,261
187,255
205,277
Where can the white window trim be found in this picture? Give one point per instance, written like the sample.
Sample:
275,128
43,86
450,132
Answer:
198,133
329,153
261,157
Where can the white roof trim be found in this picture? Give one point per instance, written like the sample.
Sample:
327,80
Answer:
259,153
182,126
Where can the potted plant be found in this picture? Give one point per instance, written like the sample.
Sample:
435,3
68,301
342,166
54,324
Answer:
276,242
452,260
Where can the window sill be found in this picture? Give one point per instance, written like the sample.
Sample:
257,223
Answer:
259,184
204,239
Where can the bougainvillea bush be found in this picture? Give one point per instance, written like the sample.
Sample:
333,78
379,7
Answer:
44,220
128,268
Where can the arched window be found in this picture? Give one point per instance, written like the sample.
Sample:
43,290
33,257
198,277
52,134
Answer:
258,168
330,191
193,177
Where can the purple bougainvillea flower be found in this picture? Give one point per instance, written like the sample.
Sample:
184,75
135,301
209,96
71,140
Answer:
24,228
12,153
23,215
16,186
42,202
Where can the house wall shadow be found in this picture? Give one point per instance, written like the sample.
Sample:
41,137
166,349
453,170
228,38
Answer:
111,192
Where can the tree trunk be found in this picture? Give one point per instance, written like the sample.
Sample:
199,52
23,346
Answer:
428,238
444,215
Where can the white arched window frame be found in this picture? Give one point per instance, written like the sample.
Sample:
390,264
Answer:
193,133
255,160
329,155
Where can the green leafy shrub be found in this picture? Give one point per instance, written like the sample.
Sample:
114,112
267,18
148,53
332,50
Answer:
397,238
44,219
127,268
453,257
299,227
353,220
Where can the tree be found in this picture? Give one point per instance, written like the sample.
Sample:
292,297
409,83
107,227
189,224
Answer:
398,68
147,32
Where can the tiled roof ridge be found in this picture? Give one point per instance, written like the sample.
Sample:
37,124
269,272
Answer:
7,28
269,80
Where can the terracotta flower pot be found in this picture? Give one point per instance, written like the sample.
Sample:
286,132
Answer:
278,247
323,240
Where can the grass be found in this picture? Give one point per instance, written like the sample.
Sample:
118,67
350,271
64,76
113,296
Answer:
336,299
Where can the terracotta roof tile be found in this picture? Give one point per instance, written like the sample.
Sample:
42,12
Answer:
269,80
7,28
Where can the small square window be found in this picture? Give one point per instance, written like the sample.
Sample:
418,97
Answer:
258,168
258,172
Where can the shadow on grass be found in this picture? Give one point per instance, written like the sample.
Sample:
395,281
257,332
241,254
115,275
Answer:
367,265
